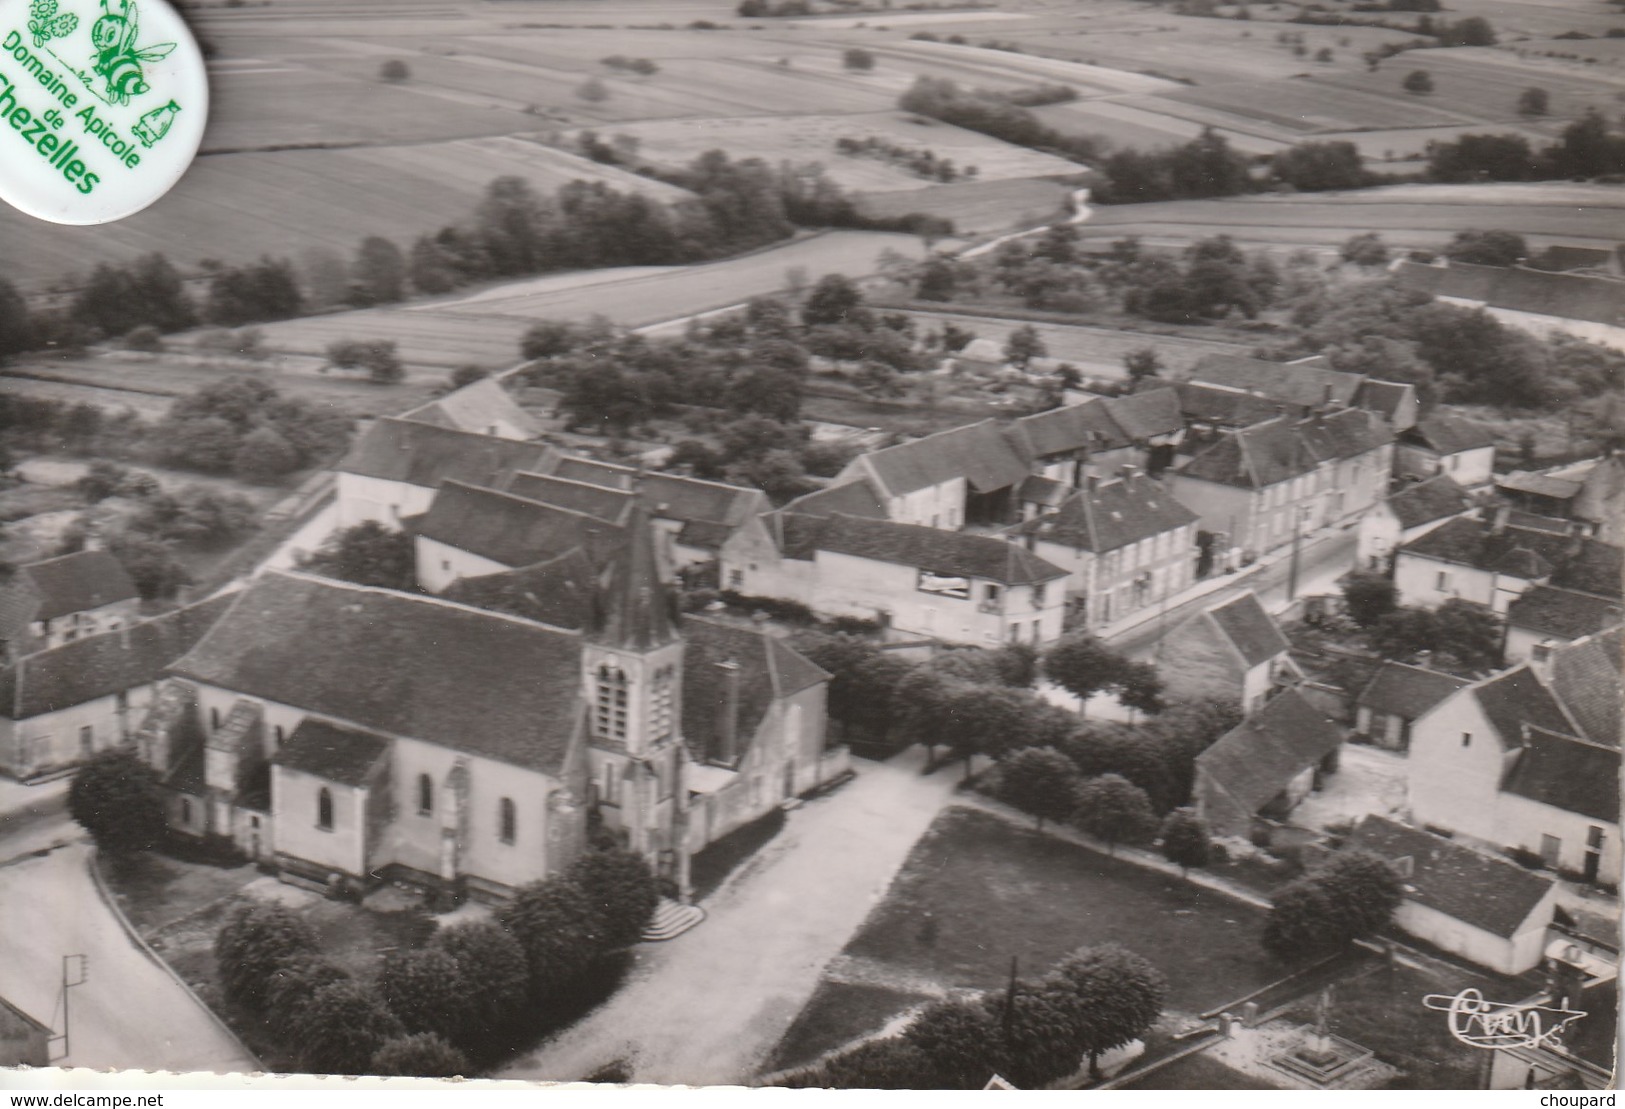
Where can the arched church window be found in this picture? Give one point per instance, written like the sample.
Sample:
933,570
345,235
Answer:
609,711
660,702
507,820
324,809
425,795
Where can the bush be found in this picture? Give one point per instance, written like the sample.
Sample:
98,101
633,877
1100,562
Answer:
560,930
394,70
342,1028
1112,808
292,983
857,58
424,989
1418,82
491,966
1040,781
1350,896
1185,841
253,943
621,889
146,339
424,1055
264,456
116,798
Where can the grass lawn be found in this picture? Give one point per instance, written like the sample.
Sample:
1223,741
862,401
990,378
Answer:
998,891
838,1013
1198,1072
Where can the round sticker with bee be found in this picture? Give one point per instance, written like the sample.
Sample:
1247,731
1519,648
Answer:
102,106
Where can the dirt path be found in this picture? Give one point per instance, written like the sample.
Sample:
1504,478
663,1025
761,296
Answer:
708,1007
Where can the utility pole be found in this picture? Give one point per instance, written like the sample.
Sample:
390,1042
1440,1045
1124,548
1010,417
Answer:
1297,543
1010,1001
69,963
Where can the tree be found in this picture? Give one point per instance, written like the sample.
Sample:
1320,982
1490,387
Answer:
1368,597
1023,345
1366,249
342,1028
377,356
858,59
1487,248
835,299
394,70
264,456
593,91
1112,808
1471,632
1083,665
1185,841
253,943
1036,1035
1142,362
1112,995
101,480
621,889
491,967
549,339
151,564
423,1055
16,322
1320,166
144,340
1040,781
115,797
425,992
293,981
1418,82
863,696
1350,896
1534,102
367,554
938,279
955,1037
560,930
379,273
886,1064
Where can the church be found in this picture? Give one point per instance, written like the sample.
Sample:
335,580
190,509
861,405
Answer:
470,742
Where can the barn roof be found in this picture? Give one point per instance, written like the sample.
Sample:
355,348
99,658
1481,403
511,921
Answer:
933,550
1407,691
1567,773
1257,759
425,455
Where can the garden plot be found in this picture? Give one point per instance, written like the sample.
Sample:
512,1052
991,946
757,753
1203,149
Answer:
811,138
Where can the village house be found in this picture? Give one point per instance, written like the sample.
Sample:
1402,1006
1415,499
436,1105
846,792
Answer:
395,466
1307,385
61,705
1489,911
1460,449
24,1041
1260,487
1125,543
953,586
1589,493
483,407
1542,303
46,604
1256,773
966,476
1395,698
1232,651
1583,977
1492,563
1099,435
1521,763
1408,514
1544,618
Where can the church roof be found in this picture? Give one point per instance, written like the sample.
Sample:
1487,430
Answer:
635,611
558,592
345,756
400,665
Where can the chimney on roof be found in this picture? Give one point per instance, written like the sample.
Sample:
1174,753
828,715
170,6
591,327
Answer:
1498,522
728,724
1128,472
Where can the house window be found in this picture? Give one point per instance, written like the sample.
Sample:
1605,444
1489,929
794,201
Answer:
1038,596
609,790
425,795
736,579
609,711
324,809
279,733
1466,739
507,820
186,810
214,720
1551,849
1594,838
1442,581
1541,653
87,739
991,594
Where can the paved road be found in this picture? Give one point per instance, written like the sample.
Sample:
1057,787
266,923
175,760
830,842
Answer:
130,1014
707,1007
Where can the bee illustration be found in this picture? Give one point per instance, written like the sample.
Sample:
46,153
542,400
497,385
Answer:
118,59
44,24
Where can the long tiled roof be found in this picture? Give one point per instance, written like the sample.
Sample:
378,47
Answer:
1585,676
1245,623
949,553
1493,894
513,530
106,664
609,505
480,407
1210,404
978,452
1449,434
401,665
1289,382
77,583
426,455
1099,424
1562,612
604,490
768,670
1258,758
1563,295
558,592
594,472
1426,501
1572,562
1111,515
852,498
1567,773
1518,697
332,752
1407,691
1275,451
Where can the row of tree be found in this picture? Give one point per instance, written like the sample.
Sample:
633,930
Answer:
1591,146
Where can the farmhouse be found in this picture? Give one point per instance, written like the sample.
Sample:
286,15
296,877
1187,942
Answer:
953,586
1491,563
395,466
1261,486
961,477
1098,436
1395,697
1125,543
1490,911
1308,385
483,407
343,734
1546,617
1406,515
46,604
1540,302
1591,493
1232,651
1262,768
60,705
1458,448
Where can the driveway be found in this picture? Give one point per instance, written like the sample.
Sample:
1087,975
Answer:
708,1007
130,1014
